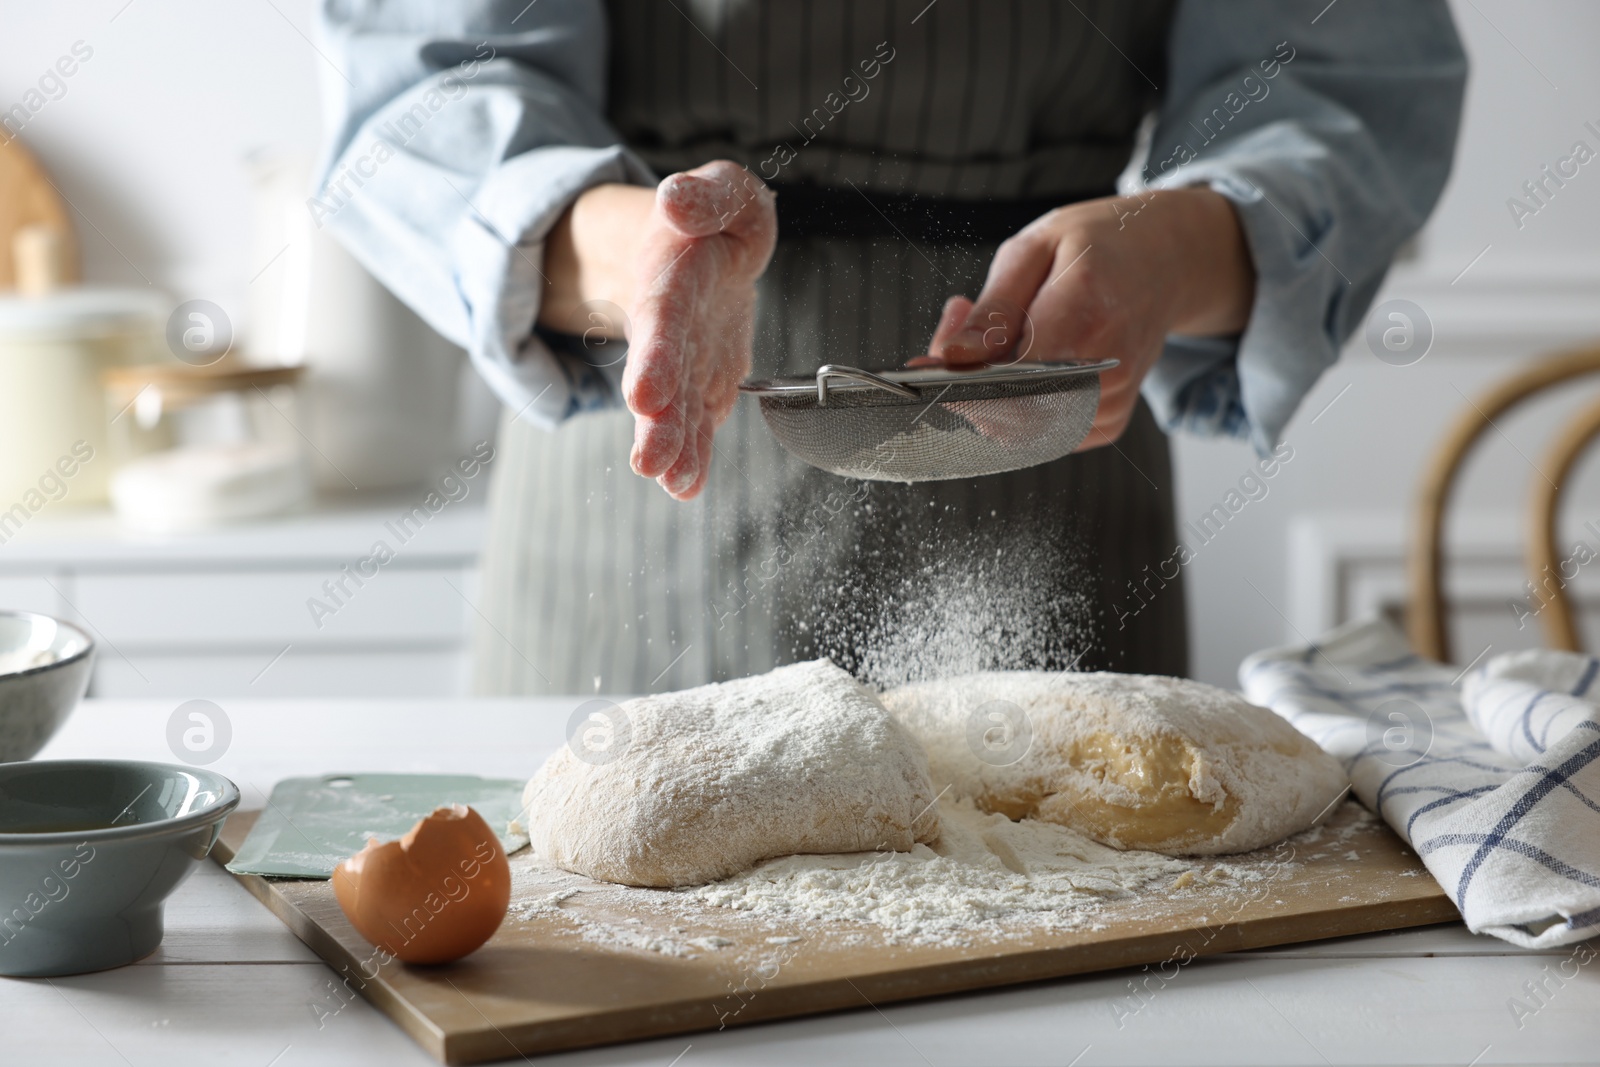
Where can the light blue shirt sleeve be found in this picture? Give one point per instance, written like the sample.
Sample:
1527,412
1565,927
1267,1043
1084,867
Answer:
1333,140
460,132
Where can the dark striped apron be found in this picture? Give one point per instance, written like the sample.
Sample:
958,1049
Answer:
917,137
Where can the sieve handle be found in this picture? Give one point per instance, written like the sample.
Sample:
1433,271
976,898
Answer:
836,370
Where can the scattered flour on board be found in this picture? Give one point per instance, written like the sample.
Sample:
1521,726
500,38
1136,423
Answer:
985,870
988,879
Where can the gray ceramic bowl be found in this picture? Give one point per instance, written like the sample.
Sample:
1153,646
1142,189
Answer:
89,849
36,700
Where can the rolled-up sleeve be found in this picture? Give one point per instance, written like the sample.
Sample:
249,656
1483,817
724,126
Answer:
1333,139
459,134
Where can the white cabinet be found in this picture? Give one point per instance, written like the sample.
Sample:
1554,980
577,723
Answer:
294,607
234,608
31,592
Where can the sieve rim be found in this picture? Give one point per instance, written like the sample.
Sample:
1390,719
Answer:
927,377
883,430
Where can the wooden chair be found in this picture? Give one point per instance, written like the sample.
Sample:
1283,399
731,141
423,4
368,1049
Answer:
1425,610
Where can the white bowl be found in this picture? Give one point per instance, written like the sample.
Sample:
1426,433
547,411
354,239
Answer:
44,670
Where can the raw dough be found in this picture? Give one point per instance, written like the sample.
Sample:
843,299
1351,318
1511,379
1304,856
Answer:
1132,761
707,782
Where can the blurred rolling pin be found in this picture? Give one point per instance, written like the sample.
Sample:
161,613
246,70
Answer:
37,249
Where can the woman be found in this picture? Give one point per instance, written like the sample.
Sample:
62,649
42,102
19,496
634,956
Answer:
496,166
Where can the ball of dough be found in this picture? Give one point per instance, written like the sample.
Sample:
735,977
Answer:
705,783
1132,761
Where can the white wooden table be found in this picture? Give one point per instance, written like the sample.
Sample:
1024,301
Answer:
231,985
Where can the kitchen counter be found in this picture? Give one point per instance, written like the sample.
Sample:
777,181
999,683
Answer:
231,984
228,611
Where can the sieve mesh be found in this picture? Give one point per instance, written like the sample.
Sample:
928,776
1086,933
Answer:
958,425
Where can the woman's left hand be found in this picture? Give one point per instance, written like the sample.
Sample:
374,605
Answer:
1107,278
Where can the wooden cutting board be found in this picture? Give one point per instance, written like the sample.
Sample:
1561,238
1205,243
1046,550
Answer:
539,986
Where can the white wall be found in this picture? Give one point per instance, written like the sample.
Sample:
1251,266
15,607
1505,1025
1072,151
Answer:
149,142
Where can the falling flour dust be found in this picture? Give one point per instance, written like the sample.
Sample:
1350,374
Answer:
1002,598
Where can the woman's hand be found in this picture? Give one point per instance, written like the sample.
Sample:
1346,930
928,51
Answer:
1102,279
682,262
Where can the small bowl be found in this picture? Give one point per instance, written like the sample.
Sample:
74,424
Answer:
89,849
36,698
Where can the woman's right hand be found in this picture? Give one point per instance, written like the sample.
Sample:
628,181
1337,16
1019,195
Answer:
684,270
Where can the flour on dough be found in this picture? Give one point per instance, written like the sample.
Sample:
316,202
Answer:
710,781
1132,761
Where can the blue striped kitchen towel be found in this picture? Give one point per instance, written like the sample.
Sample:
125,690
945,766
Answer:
1493,776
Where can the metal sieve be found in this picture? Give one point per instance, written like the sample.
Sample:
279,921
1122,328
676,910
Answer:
932,423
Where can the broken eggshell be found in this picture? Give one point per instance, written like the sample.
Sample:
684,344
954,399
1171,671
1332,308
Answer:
434,895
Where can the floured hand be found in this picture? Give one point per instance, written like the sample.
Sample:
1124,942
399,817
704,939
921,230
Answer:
681,261
709,237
